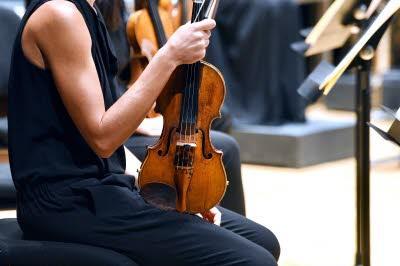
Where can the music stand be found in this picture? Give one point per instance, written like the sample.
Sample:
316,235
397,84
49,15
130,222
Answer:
335,27
322,80
330,32
393,132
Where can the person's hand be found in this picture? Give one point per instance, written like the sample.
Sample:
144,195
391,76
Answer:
213,216
151,126
189,43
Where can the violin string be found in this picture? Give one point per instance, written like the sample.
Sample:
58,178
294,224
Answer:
192,82
199,11
188,96
188,115
195,85
183,116
183,123
193,92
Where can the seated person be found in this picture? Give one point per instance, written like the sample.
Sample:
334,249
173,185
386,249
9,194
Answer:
148,132
67,157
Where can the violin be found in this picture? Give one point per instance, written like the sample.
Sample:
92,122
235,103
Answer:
149,28
183,171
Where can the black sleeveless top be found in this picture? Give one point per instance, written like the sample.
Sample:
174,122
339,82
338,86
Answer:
45,145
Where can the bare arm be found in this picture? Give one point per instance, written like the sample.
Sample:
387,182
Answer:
59,32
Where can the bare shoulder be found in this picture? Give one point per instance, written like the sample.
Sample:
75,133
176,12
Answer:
55,14
57,19
55,30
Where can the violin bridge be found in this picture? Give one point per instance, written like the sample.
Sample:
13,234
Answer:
184,155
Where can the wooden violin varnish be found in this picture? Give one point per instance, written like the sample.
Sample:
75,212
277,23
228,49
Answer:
183,171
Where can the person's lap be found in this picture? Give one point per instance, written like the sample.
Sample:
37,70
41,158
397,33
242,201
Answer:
118,218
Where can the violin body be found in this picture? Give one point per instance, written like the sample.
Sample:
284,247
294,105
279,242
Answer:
185,162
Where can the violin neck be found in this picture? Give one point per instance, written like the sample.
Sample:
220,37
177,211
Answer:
199,10
190,94
152,7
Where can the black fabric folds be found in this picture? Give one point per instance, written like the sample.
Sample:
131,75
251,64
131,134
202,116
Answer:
251,46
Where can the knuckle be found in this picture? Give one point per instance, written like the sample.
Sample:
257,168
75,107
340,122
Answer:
198,35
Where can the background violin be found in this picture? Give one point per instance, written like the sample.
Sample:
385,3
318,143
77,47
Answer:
148,29
183,171
180,12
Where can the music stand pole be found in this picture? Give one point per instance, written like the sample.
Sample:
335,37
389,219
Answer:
362,145
362,153
322,80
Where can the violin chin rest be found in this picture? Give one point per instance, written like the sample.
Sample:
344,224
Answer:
160,195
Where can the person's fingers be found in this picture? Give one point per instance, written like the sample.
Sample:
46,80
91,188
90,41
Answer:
206,24
201,35
198,35
207,33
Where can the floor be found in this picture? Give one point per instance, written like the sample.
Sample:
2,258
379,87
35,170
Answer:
312,210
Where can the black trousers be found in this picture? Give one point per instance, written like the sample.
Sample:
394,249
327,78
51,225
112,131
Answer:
234,196
110,213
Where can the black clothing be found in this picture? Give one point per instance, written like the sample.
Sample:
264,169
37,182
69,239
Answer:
44,143
16,250
251,47
118,218
234,196
122,50
67,194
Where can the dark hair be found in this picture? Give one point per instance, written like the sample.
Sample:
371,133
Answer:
112,11
140,4
27,2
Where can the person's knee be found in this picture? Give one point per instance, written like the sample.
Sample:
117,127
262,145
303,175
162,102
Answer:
270,242
276,248
228,145
231,144
262,259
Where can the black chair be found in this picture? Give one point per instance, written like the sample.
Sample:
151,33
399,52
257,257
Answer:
7,189
9,22
14,250
3,132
